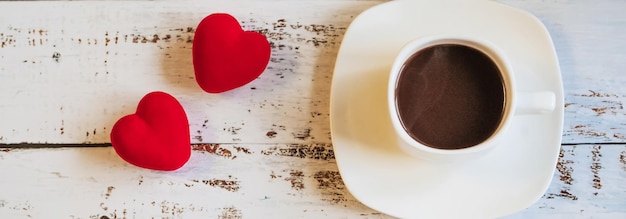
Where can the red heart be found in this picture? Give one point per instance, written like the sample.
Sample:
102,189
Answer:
156,136
224,56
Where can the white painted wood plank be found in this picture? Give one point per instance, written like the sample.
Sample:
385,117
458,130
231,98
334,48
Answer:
71,71
67,74
588,183
588,36
258,181
54,88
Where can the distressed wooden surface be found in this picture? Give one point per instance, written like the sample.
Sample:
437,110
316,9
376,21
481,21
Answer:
587,36
69,70
258,181
67,77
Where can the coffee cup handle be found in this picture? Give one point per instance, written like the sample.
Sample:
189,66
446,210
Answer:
535,103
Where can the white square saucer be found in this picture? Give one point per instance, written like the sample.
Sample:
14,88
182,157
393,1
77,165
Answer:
380,175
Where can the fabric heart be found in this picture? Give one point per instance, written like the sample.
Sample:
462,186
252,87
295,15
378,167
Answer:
224,56
156,136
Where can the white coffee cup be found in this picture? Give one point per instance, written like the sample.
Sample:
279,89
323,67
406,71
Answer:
515,102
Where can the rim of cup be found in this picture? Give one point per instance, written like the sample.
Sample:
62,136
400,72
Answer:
485,47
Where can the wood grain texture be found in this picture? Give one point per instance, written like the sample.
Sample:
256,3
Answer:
220,181
67,77
588,183
258,181
68,73
587,37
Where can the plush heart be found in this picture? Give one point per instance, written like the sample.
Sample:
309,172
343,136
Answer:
156,136
224,56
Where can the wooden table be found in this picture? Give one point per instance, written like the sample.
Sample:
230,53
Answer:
69,70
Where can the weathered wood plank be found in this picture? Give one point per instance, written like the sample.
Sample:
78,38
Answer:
588,183
67,74
220,181
259,181
588,39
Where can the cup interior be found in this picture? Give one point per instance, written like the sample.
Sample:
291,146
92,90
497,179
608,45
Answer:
450,95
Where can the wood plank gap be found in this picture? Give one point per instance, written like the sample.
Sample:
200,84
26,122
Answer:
599,143
49,145
88,145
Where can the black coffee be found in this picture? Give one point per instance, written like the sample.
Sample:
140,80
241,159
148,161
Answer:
450,96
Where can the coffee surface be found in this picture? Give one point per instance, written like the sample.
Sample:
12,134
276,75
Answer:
450,96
